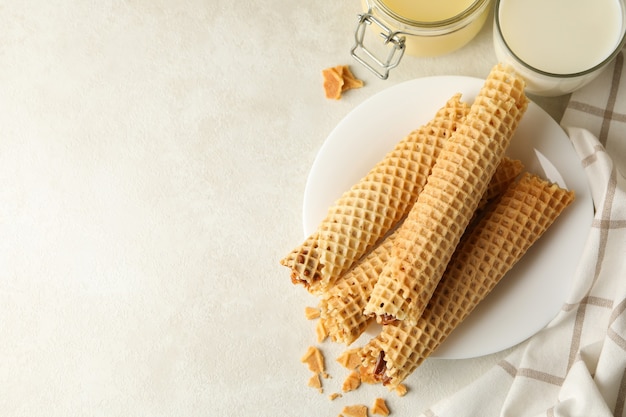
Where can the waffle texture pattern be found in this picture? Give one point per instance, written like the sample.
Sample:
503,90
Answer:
493,246
366,212
435,224
341,307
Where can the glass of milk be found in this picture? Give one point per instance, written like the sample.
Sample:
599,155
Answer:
558,46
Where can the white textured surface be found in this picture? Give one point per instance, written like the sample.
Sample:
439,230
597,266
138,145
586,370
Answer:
153,157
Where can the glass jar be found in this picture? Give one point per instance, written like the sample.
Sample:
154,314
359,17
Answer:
401,32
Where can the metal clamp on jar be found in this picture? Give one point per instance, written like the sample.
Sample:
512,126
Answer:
417,27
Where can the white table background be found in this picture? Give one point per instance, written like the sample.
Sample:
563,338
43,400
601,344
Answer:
153,158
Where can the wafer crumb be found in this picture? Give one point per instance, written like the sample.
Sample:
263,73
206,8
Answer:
380,407
311,313
350,359
401,390
349,80
334,396
315,360
332,83
352,382
321,331
339,79
366,376
315,382
354,411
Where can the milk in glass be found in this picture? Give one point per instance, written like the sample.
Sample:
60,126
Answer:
558,45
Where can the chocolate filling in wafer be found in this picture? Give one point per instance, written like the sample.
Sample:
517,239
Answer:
380,369
387,319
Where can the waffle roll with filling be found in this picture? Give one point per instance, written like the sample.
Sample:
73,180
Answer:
501,237
341,307
374,205
428,237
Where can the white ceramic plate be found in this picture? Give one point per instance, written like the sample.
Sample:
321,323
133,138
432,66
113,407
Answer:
532,293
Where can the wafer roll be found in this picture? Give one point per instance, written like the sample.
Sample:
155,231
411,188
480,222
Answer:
435,224
366,212
483,257
341,307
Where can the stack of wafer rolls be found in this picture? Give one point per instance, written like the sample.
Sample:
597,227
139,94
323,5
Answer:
420,240
502,236
374,205
435,224
341,307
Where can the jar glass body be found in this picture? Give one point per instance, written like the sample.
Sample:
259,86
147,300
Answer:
432,38
421,38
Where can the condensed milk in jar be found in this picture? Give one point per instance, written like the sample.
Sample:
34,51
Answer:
389,28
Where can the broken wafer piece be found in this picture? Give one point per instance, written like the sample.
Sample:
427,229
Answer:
333,83
354,411
380,407
429,235
367,377
321,331
341,307
352,382
311,313
350,359
349,80
315,361
401,390
377,202
338,80
501,237
316,382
